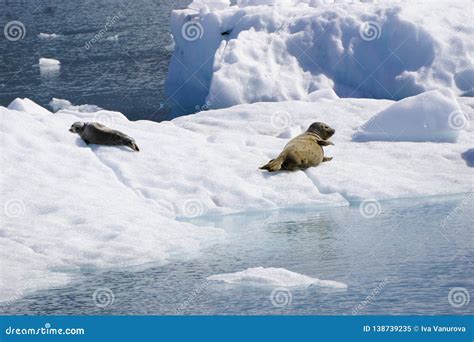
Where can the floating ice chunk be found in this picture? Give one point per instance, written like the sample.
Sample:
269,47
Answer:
114,38
48,62
61,104
26,105
58,104
431,116
48,35
49,67
273,276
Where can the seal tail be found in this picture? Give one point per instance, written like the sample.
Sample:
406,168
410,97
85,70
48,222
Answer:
274,164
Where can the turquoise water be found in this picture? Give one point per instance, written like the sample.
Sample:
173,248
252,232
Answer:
405,260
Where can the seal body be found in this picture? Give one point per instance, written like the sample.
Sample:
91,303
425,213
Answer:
96,133
303,151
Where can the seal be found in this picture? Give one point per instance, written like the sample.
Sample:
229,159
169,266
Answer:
96,133
303,151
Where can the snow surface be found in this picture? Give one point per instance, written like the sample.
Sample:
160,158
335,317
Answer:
250,52
68,206
275,277
431,116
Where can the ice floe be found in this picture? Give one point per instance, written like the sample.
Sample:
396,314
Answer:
273,276
69,206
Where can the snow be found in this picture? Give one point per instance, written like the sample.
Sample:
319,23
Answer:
48,62
250,52
26,105
273,276
69,206
431,116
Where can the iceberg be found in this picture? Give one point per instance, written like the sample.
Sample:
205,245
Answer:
254,51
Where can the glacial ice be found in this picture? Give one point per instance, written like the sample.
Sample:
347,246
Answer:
257,51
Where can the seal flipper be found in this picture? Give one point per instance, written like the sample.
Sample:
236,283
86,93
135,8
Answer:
325,142
326,159
273,165
132,145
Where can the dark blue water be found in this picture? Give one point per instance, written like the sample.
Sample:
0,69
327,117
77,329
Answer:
406,260
124,70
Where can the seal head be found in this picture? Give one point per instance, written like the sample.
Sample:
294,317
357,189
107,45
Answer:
77,127
321,129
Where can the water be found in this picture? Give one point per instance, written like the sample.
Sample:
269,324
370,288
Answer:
403,261
125,74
